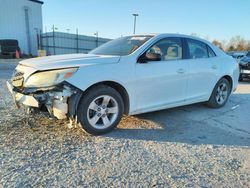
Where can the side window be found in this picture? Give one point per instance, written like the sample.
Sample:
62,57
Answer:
210,52
169,49
197,49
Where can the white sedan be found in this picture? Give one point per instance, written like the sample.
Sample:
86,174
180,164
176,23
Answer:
129,75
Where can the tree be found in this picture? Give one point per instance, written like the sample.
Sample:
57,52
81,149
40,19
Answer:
248,46
231,48
238,43
218,44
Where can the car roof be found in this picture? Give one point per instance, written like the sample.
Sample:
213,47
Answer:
180,35
166,35
163,35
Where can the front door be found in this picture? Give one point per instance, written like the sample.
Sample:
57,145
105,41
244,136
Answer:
164,82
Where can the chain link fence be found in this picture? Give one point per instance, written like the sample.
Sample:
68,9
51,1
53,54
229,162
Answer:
55,43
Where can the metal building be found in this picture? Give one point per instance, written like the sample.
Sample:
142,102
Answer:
21,20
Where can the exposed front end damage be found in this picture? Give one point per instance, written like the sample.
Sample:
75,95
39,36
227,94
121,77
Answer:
60,101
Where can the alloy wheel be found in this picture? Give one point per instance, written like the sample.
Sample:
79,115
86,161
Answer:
222,93
102,112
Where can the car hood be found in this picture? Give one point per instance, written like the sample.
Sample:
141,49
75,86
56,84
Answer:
66,61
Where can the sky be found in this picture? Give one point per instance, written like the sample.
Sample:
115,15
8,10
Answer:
210,19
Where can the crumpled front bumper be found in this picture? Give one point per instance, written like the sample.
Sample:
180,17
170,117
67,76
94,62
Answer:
57,101
20,98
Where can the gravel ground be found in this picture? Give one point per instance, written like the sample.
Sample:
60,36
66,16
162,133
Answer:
191,146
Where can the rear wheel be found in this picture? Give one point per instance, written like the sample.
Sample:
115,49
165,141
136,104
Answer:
100,110
220,94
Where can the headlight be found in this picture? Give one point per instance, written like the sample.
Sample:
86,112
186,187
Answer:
49,78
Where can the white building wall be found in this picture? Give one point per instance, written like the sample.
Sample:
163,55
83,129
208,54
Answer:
13,26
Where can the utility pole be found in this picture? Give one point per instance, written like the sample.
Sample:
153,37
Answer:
135,15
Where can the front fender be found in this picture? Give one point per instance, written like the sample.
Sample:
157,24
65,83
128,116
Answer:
119,73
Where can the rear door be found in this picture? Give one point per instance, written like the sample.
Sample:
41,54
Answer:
203,70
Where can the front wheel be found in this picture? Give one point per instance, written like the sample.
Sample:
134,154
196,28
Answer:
220,94
100,110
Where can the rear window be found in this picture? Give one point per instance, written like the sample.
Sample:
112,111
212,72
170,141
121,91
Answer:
197,49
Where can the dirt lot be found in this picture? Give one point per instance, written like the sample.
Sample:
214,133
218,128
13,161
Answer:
191,146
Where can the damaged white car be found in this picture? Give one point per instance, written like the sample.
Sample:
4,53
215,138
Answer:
129,75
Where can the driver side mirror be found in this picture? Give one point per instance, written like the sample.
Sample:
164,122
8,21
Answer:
149,56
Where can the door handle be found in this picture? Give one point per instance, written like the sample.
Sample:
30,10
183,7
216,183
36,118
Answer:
181,71
214,67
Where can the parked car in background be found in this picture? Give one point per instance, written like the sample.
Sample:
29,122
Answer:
8,48
237,55
130,75
245,67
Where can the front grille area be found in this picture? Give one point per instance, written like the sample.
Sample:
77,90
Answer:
17,79
245,66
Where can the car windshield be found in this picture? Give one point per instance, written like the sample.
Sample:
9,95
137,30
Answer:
248,54
122,46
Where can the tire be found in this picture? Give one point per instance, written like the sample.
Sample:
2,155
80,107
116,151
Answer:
100,110
220,94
